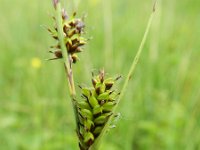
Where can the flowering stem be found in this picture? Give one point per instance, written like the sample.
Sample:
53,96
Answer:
66,58
95,146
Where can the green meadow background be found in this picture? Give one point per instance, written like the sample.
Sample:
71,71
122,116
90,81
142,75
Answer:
161,107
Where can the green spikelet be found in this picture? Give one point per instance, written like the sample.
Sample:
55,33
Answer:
95,109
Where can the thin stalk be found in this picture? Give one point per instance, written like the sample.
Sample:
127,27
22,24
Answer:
95,146
136,59
66,58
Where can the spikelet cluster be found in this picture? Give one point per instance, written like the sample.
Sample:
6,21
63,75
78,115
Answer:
73,30
95,108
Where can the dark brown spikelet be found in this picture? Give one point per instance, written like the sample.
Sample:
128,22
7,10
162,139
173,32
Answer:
73,30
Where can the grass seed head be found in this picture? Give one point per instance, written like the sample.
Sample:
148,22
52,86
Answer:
95,108
73,30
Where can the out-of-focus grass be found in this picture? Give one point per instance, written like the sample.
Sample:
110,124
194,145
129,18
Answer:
161,107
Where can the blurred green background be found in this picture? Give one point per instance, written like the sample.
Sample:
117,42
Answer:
161,108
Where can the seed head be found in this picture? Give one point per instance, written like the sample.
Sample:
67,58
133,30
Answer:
95,108
73,30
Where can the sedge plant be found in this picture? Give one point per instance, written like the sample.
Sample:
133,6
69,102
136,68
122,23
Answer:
96,109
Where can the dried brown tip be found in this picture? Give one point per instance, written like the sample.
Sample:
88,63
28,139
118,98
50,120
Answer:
154,6
117,78
64,14
92,74
80,86
55,2
101,75
74,14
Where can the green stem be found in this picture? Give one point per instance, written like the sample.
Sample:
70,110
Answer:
95,146
66,58
136,59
